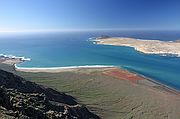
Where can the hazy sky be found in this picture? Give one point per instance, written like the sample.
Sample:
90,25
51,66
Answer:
89,14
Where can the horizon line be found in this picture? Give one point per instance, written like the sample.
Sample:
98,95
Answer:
73,30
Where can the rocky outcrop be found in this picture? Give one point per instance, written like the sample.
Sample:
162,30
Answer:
26,100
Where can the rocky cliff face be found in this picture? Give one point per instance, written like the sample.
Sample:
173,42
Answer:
26,100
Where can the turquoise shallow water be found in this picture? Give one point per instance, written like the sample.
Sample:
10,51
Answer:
74,49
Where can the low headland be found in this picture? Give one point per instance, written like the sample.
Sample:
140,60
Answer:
12,60
171,48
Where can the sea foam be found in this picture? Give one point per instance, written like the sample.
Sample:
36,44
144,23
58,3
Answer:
14,57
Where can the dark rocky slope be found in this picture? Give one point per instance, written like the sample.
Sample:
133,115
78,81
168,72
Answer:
26,100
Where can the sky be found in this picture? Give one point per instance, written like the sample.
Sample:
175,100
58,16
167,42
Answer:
89,14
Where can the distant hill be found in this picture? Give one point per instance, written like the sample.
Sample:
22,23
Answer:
103,37
26,100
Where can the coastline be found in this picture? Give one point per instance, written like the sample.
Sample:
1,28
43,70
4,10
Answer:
60,69
104,68
15,61
100,68
153,81
164,86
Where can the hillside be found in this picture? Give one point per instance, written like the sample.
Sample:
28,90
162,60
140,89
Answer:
23,99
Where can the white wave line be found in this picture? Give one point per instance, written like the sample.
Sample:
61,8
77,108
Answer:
15,57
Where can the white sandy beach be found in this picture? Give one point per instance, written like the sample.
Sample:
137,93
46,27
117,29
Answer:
60,69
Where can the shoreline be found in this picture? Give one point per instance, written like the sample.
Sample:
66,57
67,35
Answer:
60,69
164,86
15,61
95,67
159,84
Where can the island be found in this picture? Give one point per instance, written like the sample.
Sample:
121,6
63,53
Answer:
164,48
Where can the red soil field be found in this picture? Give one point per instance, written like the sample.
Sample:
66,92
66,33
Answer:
124,75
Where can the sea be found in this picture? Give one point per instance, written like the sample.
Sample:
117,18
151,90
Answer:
74,48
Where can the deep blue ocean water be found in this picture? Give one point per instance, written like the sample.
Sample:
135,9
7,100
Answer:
62,49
